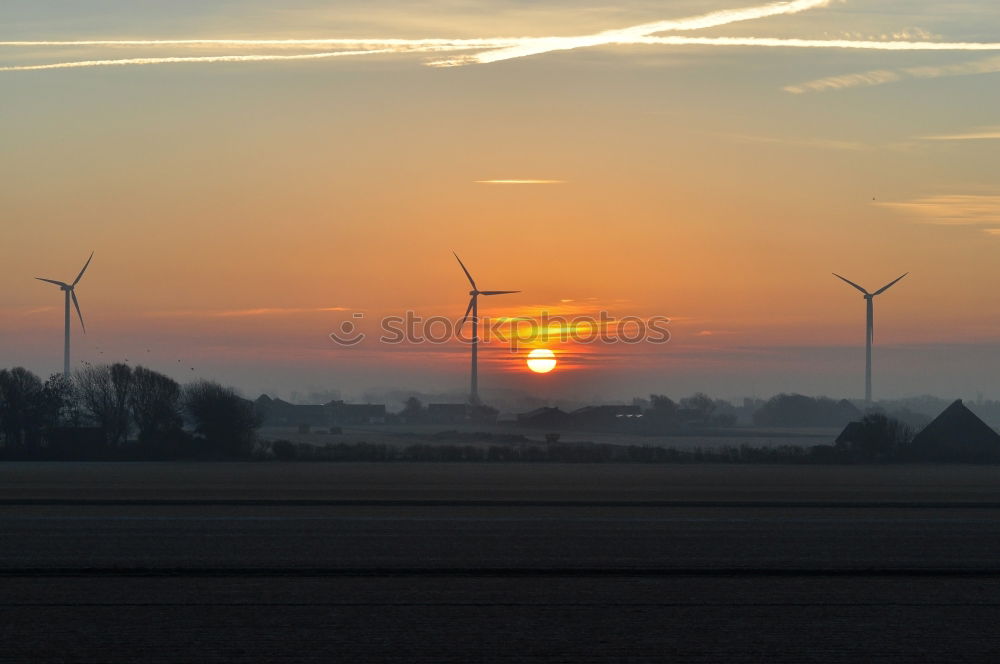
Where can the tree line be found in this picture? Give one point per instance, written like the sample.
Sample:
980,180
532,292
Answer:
119,411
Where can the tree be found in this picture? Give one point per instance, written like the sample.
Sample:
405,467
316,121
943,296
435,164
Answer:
61,406
700,405
20,396
876,437
661,405
413,410
226,421
796,410
155,403
104,393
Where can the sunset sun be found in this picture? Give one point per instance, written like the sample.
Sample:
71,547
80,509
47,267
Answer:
541,360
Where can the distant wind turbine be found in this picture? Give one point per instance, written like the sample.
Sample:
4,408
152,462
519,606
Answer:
869,329
70,290
474,308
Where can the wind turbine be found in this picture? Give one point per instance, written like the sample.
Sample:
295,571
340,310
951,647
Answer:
70,290
869,329
474,308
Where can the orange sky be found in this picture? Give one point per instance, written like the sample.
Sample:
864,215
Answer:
690,185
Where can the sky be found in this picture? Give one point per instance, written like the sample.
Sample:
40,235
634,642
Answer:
245,198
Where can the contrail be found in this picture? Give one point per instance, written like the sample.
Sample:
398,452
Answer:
779,42
276,43
196,59
535,46
499,49
502,49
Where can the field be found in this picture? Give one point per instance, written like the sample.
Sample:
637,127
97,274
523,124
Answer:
471,434
178,562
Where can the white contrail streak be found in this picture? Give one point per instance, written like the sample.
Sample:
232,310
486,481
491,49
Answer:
196,59
536,46
276,43
499,49
820,43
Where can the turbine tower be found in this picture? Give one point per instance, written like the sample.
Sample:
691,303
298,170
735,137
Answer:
869,329
70,291
474,308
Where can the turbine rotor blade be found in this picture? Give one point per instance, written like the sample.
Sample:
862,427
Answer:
851,283
80,276
498,292
76,304
53,281
472,301
471,280
888,285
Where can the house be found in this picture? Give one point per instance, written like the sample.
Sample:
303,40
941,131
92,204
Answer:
448,413
853,432
605,416
340,413
957,434
544,418
280,413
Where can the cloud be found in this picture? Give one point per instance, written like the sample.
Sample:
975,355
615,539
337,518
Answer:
882,76
519,181
243,313
819,143
951,209
876,77
26,311
983,134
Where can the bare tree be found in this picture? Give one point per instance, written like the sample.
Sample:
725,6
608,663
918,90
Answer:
155,402
227,421
20,392
104,394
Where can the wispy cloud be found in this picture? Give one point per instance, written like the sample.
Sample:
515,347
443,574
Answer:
498,49
26,311
519,181
882,76
817,143
951,209
983,134
243,313
869,78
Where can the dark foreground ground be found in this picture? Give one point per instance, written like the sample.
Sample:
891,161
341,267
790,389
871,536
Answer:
465,563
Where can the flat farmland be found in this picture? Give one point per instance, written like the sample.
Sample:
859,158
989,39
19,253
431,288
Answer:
498,562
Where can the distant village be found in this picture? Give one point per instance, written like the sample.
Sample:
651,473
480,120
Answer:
956,434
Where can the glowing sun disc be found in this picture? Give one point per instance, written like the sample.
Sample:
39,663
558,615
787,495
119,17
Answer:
541,360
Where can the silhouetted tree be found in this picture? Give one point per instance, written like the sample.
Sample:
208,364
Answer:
104,393
699,405
227,421
796,410
20,400
661,405
62,407
155,402
413,410
875,438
